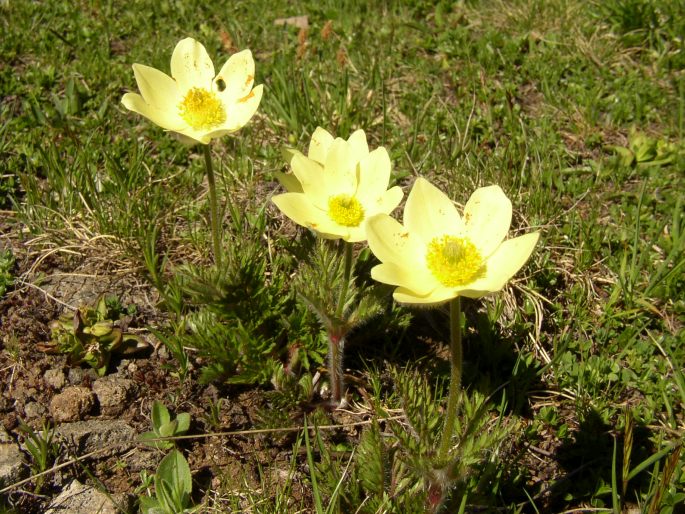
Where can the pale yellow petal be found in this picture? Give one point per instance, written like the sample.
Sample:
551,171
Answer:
310,175
319,145
157,88
432,299
374,175
165,118
236,76
189,141
503,264
429,213
298,208
356,234
238,114
421,283
389,200
288,153
340,168
203,136
242,111
358,144
190,137
487,217
191,65
391,243
289,182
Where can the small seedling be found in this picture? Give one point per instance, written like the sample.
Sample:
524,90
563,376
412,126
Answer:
644,151
173,486
41,447
91,335
213,417
6,265
163,427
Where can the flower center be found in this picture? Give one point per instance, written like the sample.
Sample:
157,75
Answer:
345,210
202,109
454,261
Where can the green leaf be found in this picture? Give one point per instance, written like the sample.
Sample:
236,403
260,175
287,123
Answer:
371,460
101,308
149,505
183,420
164,493
160,415
132,344
168,429
175,470
149,439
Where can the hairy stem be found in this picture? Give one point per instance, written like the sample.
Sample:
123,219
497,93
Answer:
336,336
336,345
346,280
213,207
455,376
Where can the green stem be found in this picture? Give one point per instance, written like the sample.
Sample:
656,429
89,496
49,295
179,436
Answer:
213,207
455,377
336,335
346,280
336,345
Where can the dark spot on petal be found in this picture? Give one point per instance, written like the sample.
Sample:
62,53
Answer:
220,84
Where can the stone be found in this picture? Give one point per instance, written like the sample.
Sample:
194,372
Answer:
82,499
33,410
55,378
113,394
143,459
72,404
75,375
12,465
110,437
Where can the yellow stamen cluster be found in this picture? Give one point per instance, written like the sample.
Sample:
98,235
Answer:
345,210
202,109
454,261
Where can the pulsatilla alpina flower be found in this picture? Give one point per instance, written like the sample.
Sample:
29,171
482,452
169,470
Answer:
318,150
438,255
195,102
338,186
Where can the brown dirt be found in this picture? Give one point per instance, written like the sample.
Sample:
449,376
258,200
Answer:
57,284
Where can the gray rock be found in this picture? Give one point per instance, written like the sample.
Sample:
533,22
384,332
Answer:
34,410
112,437
75,375
113,394
142,458
163,352
55,378
5,438
82,499
12,465
72,404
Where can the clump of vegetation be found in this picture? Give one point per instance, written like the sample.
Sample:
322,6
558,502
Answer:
173,483
643,150
163,427
6,275
92,334
245,320
42,449
173,487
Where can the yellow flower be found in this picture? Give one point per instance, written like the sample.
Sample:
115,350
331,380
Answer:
318,150
438,255
337,186
194,102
